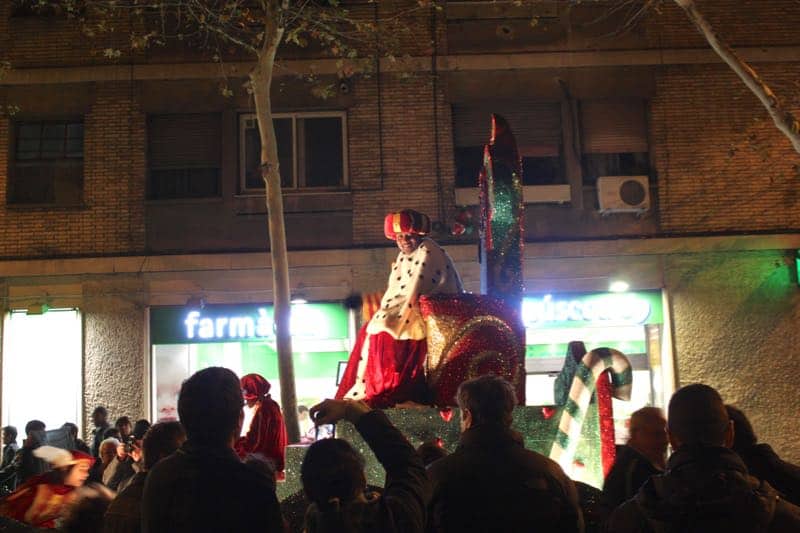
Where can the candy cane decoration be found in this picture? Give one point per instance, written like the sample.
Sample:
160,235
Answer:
591,366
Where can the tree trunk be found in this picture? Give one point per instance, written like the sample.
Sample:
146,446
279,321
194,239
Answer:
785,121
261,78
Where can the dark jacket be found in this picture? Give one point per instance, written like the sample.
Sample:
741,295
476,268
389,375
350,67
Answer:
122,471
29,464
401,506
124,513
764,464
9,451
97,438
207,488
631,469
705,489
81,446
492,483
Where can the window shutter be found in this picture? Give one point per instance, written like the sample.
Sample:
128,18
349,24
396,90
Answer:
613,126
536,125
184,141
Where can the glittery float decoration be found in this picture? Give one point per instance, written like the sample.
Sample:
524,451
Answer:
426,424
605,411
587,374
501,228
470,335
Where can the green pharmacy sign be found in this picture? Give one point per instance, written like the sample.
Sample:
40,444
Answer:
314,323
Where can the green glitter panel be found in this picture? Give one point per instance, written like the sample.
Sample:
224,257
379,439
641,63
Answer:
420,425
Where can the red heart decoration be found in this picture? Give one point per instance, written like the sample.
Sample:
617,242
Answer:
446,414
548,412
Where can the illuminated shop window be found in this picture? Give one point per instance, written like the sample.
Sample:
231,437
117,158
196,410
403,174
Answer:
42,368
241,338
631,322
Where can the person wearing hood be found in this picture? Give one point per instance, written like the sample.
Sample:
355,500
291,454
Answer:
266,434
706,486
42,500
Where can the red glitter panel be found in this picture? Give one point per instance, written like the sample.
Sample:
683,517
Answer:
606,415
470,335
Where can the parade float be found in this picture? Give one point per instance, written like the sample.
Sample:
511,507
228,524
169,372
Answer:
469,335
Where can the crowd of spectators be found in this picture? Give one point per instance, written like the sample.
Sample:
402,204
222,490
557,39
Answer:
187,476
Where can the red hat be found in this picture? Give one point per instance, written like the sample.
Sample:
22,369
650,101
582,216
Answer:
254,386
406,221
60,458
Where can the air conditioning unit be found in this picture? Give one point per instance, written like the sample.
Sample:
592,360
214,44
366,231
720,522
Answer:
623,194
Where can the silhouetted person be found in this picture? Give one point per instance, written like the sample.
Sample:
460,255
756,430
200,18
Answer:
100,421
79,444
334,481
9,445
204,486
491,482
643,456
706,486
761,460
8,468
29,465
124,513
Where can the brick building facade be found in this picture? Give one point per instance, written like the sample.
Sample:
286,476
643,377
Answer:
718,239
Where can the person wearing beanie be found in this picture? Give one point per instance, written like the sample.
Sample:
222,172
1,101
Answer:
266,434
41,500
386,366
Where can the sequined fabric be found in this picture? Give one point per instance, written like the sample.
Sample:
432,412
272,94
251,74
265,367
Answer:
470,335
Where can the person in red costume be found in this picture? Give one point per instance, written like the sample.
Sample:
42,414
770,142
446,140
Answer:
267,432
43,498
387,364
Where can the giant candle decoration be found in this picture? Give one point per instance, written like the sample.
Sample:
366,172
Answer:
500,184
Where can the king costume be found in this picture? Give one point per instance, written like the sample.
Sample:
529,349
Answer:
387,364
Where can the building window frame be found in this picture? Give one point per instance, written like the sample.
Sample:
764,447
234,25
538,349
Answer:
60,163
247,121
531,145
182,173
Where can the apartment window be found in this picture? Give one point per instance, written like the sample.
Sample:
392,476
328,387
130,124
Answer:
184,154
614,139
311,151
29,8
536,127
48,163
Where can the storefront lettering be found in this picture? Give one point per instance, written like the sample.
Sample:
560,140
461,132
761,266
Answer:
306,322
605,309
223,327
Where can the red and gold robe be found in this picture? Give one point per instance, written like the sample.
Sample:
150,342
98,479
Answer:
387,363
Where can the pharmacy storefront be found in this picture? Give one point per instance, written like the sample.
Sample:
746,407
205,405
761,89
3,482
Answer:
241,337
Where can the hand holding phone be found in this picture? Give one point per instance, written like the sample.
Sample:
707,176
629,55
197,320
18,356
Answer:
331,411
